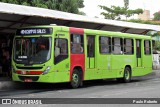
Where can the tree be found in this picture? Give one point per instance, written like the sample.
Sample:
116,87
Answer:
10,1
80,3
38,3
115,12
156,16
71,6
112,13
126,4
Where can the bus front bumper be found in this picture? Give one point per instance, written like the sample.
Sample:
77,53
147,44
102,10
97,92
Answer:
54,77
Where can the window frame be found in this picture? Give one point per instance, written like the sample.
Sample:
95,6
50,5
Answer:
147,47
132,46
109,45
121,46
77,44
60,57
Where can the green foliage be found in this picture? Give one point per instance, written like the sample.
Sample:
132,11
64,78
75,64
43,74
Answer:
70,6
156,45
82,13
112,13
10,1
129,13
143,22
80,3
156,16
126,4
115,12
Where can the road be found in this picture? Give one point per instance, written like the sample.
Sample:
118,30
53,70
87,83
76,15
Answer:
140,87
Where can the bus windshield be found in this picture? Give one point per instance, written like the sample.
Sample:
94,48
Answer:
32,50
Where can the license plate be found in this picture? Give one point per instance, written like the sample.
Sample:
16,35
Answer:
27,80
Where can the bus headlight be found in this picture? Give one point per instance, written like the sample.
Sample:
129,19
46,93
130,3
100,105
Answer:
46,71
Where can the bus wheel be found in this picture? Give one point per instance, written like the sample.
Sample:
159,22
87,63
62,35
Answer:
127,75
76,79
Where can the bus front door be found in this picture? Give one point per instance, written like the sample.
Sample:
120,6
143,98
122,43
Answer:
138,53
90,51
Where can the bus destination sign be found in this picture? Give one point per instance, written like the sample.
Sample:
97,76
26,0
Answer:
34,31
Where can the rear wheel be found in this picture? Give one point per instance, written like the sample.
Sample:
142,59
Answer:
76,79
126,77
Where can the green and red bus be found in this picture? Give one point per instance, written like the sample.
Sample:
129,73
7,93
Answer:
56,54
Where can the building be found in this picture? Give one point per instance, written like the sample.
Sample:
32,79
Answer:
145,15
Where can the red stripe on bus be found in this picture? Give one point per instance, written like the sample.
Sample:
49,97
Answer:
29,72
77,59
35,72
76,30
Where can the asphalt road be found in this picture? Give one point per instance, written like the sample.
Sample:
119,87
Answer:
140,87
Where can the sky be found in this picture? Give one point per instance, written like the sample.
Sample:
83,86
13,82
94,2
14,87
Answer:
91,6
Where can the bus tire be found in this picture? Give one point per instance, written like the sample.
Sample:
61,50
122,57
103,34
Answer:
127,75
76,79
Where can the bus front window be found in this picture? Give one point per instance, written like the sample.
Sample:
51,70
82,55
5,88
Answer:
33,50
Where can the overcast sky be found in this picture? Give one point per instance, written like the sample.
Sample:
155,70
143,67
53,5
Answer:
91,6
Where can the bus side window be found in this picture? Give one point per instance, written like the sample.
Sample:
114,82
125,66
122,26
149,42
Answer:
105,45
77,45
117,45
147,47
128,46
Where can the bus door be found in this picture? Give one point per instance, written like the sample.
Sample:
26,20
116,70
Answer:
138,53
61,51
90,51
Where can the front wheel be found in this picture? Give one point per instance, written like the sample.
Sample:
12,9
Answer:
76,79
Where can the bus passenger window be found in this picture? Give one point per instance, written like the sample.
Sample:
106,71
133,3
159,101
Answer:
128,46
77,44
147,47
117,45
105,45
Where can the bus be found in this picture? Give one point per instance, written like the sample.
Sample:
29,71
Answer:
57,54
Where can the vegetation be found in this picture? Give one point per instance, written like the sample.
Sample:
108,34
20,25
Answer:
157,16
156,45
143,21
71,6
115,12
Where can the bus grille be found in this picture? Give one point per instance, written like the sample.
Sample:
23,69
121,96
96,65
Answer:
34,78
18,67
